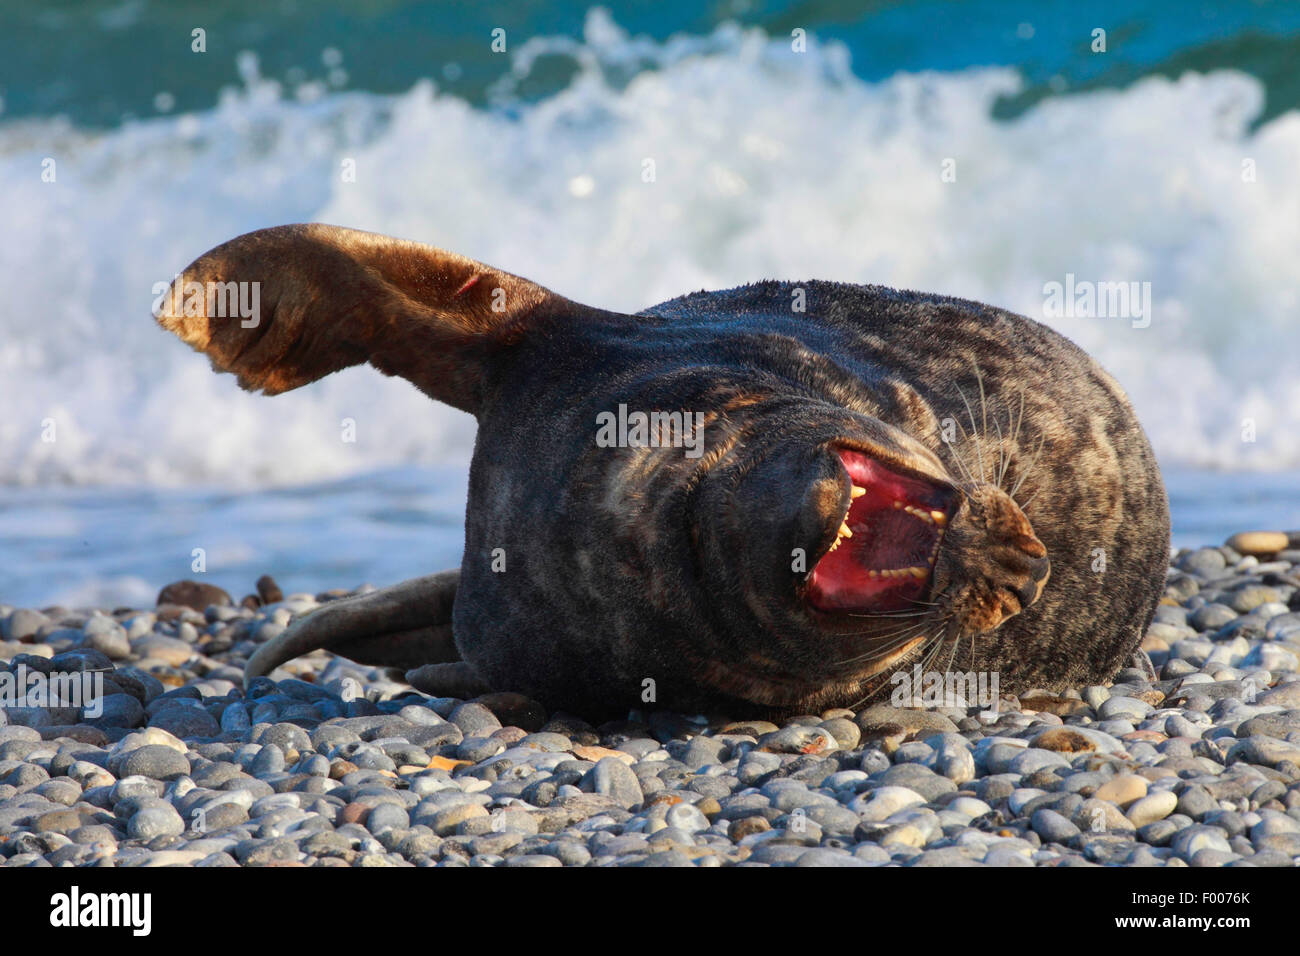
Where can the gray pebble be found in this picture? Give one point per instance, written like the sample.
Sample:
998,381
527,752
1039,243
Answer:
613,778
151,822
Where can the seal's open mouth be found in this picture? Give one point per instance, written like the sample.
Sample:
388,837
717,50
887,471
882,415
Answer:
884,553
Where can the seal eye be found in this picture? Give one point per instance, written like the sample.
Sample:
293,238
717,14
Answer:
886,546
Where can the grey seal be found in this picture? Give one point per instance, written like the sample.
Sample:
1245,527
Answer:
765,499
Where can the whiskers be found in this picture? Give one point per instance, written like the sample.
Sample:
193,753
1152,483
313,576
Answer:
937,633
934,649
1009,462
990,444
892,642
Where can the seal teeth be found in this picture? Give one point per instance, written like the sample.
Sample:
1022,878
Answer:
916,572
920,513
931,517
919,572
841,534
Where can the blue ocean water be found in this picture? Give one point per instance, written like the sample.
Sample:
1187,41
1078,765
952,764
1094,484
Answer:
1172,157
93,546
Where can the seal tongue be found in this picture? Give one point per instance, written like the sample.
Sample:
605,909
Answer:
895,524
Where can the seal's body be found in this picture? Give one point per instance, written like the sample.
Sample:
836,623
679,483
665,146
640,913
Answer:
766,499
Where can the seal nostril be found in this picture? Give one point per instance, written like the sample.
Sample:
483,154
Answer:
1032,589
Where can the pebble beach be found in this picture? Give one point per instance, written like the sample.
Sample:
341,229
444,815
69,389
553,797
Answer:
335,764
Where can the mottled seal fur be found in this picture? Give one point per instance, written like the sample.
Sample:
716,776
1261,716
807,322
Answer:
880,479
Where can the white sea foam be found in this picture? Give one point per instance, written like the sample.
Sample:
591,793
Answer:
767,164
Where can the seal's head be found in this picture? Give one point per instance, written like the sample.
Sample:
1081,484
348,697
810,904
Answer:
834,546
717,503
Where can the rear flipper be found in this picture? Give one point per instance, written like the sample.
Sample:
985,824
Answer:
405,626
1142,662
456,679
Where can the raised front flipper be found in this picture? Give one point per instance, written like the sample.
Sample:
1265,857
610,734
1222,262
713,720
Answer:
322,298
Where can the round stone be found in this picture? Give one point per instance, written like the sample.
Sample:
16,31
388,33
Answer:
613,778
155,761
884,802
185,722
1261,544
1203,562
1152,807
387,816
969,807
883,720
1247,599
196,595
115,710
1187,843
1122,790
1124,708
1211,617
800,739
1052,827
845,731
1031,760
687,818
22,624
151,822
475,720
445,821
